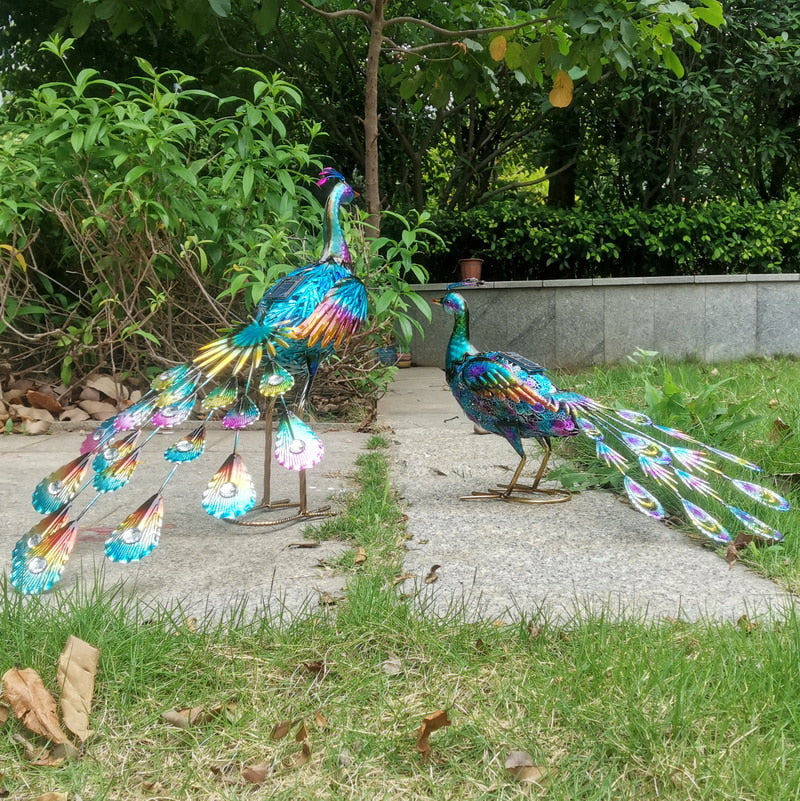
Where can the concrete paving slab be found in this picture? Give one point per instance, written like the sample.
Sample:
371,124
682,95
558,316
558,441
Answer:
204,564
504,560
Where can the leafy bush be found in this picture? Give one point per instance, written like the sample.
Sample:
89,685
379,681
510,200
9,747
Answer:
521,240
138,219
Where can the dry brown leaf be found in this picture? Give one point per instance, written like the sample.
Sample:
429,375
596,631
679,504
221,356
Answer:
314,665
106,385
280,730
520,765
32,703
361,556
255,774
183,718
779,430
77,668
36,426
300,758
432,575
73,415
29,413
301,733
392,666
399,579
228,773
430,723
52,797
326,599
305,544
743,539
98,410
320,720
40,400
5,711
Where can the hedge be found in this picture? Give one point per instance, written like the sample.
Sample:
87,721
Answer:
522,240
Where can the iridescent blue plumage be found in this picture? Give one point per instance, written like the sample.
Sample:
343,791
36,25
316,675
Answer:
301,320
511,396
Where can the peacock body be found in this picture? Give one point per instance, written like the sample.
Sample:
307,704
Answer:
511,396
300,320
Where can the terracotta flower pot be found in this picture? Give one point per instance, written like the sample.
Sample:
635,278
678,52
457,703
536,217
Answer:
470,268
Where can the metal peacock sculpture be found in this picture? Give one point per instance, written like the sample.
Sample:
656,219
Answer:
300,320
511,396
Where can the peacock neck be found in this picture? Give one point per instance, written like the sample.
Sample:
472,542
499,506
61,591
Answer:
459,345
335,245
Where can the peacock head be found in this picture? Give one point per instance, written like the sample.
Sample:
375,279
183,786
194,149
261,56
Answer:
452,302
346,192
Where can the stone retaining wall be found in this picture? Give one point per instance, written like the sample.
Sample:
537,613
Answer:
575,323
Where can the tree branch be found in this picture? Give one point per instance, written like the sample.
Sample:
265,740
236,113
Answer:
519,184
345,12
457,34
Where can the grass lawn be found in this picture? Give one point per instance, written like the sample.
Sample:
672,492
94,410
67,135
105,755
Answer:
605,710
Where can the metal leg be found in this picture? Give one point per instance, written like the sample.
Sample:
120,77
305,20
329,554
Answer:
266,504
506,492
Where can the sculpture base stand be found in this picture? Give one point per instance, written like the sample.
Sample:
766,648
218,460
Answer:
504,493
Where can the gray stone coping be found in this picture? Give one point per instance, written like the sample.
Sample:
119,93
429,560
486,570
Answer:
738,278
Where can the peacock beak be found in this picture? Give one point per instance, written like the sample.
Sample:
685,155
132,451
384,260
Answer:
437,301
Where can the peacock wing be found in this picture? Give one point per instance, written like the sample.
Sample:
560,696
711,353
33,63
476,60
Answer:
339,315
500,375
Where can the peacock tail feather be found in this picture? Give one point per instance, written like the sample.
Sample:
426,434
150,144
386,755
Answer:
138,534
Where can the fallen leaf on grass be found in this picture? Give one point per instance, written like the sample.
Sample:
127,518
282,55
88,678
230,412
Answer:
188,717
432,575
320,720
361,556
326,599
228,774
430,723
77,668
255,774
520,765
52,797
280,730
401,578
5,711
299,758
392,666
314,665
779,430
32,703
743,539
41,756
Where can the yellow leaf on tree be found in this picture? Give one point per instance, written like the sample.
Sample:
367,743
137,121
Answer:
561,94
497,48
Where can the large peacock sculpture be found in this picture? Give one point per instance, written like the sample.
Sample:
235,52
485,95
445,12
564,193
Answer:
511,396
300,320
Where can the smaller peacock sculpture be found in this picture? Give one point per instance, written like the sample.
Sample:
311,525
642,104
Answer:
511,396
300,321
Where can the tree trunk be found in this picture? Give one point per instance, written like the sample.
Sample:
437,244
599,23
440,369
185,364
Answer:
372,191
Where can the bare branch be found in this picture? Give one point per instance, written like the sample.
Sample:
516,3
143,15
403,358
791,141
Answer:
345,12
458,34
519,184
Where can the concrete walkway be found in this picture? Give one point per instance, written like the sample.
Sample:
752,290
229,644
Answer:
497,559
503,560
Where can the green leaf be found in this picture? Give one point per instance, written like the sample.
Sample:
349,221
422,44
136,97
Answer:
76,140
514,53
712,13
673,62
247,180
222,8
265,17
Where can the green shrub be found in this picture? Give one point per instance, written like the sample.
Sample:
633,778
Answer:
521,240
